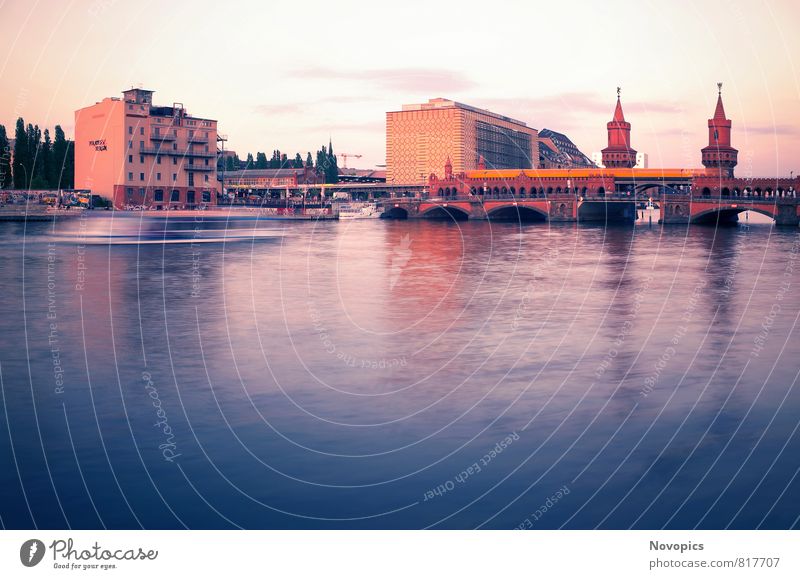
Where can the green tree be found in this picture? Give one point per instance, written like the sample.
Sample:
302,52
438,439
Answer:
309,161
20,165
249,163
69,166
298,161
229,164
6,181
62,161
275,161
47,172
332,170
261,160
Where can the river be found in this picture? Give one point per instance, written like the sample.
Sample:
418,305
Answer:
400,374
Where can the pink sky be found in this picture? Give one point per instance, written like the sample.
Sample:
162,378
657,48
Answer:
290,75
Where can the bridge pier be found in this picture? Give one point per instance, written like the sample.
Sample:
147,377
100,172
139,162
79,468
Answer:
675,211
787,215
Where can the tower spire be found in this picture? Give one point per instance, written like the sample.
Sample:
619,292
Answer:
618,153
719,156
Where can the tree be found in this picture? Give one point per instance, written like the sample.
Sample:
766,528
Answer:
298,161
63,162
20,164
332,170
6,181
249,163
229,164
47,172
261,161
309,161
327,166
69,166
275,161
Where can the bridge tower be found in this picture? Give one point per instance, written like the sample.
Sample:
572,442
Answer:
719,156
618,153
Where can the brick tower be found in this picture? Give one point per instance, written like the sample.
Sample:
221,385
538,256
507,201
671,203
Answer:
618,153
719,156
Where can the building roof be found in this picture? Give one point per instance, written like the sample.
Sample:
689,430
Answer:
442,103
619,117
719,112
561,150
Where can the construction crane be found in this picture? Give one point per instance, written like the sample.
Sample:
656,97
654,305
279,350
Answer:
345,155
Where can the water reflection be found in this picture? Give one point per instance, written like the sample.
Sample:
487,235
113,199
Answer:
336,374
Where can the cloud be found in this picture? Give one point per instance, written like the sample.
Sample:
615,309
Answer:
571,103
277,109
785,130
420,80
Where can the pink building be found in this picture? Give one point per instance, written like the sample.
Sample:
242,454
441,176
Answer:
133,152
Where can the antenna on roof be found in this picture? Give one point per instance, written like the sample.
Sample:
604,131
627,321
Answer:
719,87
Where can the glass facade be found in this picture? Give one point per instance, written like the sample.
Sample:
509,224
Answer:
501,147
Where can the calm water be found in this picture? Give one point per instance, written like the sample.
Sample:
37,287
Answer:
375,374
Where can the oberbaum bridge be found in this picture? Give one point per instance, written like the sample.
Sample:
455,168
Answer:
710,195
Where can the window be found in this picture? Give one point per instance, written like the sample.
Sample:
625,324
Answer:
206,162
141,176
190,197
141,158
130,130
205,178
174,176
130,158
158,195
141,130
130,192
130,176
158,160
141,144
141,192
158,176
174,146
175,196
206,197
130,144
174,160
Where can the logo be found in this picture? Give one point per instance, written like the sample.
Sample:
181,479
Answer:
32,552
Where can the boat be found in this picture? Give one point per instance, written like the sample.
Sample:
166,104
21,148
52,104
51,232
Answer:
358,211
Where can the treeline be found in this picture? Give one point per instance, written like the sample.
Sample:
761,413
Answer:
326,164
36,161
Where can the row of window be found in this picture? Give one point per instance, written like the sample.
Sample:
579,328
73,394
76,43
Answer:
174,177
174,147
174,196
174,160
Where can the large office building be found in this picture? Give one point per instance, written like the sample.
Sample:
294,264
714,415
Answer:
420,139
133,152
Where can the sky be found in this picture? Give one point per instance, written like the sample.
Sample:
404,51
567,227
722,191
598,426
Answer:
291,75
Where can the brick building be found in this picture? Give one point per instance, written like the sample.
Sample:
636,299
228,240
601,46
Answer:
132,152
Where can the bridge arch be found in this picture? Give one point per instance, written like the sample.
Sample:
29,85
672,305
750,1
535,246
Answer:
659,187
395,213
726,214
511,212
445,213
